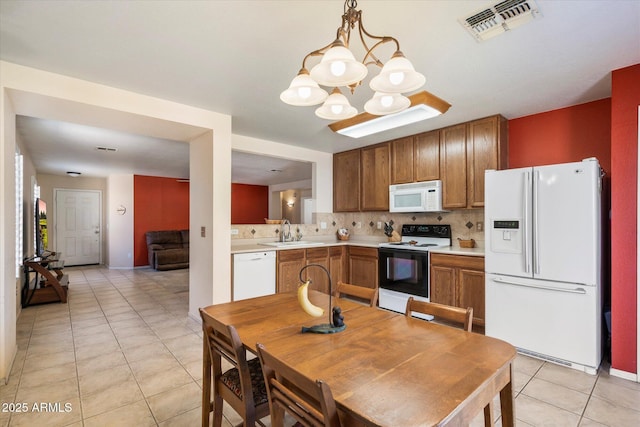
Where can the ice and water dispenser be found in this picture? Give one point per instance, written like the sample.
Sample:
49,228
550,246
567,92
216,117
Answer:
506,236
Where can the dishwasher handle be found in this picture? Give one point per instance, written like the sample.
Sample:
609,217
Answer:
580,291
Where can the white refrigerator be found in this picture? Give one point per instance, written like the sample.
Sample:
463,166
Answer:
543,261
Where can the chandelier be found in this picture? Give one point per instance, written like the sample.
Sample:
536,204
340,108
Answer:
339,68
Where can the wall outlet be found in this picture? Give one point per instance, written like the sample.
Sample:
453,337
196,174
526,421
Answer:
234,231
323,225
379,225
479,225
358,224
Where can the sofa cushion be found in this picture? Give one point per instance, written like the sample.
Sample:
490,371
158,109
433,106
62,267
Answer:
185,238
172,256
166,237
167,250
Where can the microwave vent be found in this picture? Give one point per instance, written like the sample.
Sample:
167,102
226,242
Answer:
499,17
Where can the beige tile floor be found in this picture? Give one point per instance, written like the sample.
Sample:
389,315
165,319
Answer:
123,352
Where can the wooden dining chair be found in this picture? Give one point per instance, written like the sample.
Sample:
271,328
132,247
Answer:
309,402
461,316
449,313
361,293
242,386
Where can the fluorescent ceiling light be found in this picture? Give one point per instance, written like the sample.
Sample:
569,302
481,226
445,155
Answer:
424,105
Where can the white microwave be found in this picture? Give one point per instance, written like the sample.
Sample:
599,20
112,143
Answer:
425,196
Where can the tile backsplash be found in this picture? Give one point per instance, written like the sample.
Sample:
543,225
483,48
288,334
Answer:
464,225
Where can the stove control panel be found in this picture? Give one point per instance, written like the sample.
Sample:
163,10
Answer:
427,230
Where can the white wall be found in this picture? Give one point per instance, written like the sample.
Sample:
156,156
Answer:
8,346
119,226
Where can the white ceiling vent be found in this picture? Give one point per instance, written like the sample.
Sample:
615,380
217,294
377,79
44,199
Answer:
499,17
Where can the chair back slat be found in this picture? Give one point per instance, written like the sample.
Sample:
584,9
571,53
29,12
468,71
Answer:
222,341
458,315
369,295
309,402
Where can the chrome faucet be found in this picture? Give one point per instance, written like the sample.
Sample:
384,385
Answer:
285,237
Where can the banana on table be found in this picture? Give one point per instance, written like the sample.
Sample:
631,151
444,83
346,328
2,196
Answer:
303,299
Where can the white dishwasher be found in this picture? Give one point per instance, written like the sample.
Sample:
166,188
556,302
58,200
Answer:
254,275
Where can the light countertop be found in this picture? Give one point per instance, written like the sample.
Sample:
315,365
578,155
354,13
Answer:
248,245
453,250
243,246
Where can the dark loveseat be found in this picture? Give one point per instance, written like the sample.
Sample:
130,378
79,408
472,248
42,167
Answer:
169,249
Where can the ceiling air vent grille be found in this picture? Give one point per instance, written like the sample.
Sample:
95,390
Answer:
499,17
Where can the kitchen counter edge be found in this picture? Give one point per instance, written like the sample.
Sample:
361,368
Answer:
256,247
452,250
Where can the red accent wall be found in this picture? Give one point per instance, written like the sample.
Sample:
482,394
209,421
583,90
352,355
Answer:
158,204
249,203
625,99
560,136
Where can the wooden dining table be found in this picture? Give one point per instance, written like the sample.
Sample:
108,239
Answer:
384,369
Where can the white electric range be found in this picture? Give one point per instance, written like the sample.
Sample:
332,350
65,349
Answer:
404,266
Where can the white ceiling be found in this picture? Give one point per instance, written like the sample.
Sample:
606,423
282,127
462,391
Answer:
235,57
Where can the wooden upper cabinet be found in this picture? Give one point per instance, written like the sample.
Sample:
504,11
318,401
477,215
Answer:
375,164
346,181
426,156
458,155
453,166
402,160
486,149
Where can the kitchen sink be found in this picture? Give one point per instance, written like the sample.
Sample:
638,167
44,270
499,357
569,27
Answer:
290,244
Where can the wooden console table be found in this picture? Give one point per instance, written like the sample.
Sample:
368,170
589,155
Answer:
41,286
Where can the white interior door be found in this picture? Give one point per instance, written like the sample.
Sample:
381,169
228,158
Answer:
78,225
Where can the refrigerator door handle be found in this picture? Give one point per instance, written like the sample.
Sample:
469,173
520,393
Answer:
581,291
536,231
525,226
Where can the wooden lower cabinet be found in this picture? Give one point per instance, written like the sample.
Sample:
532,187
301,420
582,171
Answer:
319,279
291,261
337,264
363,266
458,280
289,264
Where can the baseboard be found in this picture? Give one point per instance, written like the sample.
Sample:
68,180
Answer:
624,375
196,318
5,380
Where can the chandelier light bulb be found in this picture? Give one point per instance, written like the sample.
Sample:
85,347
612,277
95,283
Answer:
396,78
336,107
303,91
386,103
386,100
338,68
